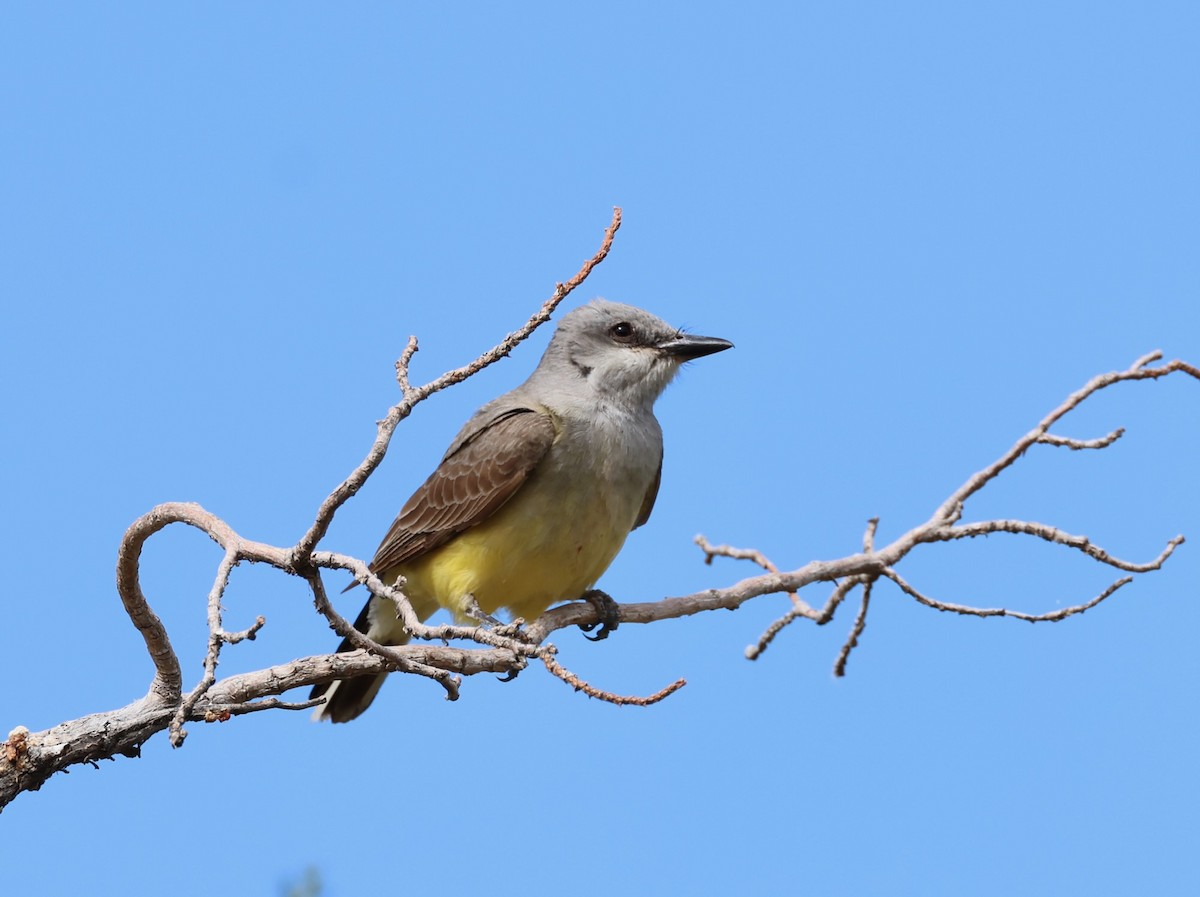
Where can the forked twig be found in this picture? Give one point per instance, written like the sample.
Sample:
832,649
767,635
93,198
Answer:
945,526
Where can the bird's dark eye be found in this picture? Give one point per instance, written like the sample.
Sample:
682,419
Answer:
622,331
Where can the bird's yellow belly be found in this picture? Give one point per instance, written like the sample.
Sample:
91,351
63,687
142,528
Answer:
531,554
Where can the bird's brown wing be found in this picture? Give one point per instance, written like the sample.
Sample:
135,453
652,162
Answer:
651,495
474,480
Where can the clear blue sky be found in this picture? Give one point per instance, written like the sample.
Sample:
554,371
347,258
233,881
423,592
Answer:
922,224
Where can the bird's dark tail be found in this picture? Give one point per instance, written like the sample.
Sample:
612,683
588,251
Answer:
345,699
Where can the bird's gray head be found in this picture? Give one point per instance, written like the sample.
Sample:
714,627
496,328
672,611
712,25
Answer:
619,352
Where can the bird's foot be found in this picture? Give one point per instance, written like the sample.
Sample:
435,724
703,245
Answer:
472,611
607,609
512,630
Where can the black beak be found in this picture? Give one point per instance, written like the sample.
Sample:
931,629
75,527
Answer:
687,346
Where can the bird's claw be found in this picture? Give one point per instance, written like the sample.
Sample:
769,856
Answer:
518,664
608,611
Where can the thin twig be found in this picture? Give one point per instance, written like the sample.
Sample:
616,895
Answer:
951,508
1077,444
745,554
220,713
396,660
1051,617
869,535
1051,534
216,639
402,365
248,634
753,652
860,623
559,671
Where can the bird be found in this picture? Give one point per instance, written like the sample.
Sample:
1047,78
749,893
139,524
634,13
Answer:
537,493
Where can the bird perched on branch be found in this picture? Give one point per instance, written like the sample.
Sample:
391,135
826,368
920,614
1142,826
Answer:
537,493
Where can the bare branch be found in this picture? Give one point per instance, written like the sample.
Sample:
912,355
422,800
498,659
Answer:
1052,617
1146,359
224,712
1051,534
728,551
860,623
216,639
1077,444
396,660
232,638
753,652
869,535
591,691
951,508
746,554
402,365
494,637
448,653
168,679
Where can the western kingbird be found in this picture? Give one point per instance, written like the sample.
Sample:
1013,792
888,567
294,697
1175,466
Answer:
536,494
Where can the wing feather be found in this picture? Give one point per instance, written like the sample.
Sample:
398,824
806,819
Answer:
478,475
651,496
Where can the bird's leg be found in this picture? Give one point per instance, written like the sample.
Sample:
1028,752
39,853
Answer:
472,611
607,609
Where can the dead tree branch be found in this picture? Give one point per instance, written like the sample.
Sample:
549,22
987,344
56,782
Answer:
448,653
